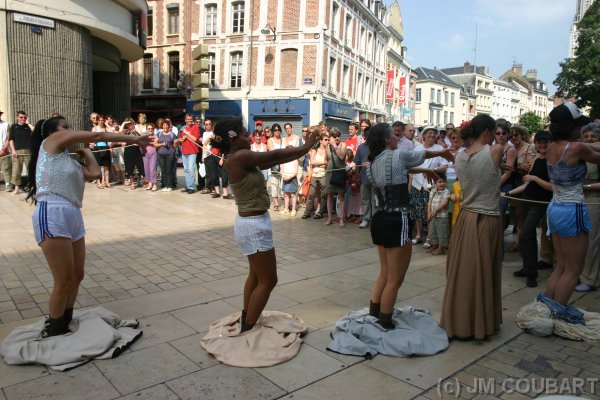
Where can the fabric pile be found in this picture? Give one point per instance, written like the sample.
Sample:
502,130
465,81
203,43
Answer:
545,317
275,338
416,334
95,334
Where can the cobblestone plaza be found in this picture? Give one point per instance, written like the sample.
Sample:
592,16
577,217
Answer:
179,270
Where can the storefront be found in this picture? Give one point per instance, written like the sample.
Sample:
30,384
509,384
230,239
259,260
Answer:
280,111
159,106
219,109
338,115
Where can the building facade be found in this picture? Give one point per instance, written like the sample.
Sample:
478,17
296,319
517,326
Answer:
401,79
271,60
437,98
476,81
91,42
533,92
582,7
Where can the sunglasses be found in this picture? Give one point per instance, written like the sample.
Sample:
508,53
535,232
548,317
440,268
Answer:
501,133
304,130
276,130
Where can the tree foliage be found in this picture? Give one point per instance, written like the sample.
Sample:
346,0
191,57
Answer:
531,121
580,76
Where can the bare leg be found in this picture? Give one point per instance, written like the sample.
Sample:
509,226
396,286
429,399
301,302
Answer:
60,258
78,270
382,278
329,208
294,202
264,265
559,269
342,207
419,228
398,259
286,201
575,250
249,286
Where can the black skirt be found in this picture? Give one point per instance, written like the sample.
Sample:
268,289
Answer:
103,158
134,163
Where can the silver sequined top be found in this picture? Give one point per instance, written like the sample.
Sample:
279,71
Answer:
59,174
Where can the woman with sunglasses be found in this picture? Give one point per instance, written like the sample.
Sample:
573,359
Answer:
317,167
509,157
525,156
275,179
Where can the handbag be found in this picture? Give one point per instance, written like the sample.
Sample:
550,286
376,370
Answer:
202,170
306,185
338,177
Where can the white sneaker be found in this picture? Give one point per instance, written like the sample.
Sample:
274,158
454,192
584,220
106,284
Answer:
364,224
168,189
164,189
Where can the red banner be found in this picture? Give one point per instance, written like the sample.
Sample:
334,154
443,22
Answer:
389,93
403,89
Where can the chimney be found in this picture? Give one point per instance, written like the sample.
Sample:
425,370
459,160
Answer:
518,69
531,74
467,67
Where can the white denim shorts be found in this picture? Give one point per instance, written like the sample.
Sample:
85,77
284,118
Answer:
55,216
254,234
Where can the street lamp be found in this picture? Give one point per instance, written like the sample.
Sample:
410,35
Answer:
269,30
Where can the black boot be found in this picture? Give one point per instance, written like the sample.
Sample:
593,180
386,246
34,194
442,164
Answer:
55,327
374,309
385,320
246,327
68,316
243,318
520,273
532,280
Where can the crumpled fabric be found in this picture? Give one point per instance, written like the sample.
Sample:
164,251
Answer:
416,333
95,334
570,314
537,318
274,339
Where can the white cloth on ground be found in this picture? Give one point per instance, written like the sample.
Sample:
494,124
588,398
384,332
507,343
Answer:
536,319
275,338
95,334
416,333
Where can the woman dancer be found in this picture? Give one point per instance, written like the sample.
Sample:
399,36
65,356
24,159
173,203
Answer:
472,304
568,215
391,227
56,184
252,227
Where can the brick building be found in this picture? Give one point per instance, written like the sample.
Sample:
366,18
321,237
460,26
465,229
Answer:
298,61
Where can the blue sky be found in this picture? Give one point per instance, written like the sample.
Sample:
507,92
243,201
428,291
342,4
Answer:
535,33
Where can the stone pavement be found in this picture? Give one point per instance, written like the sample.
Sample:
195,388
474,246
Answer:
169,260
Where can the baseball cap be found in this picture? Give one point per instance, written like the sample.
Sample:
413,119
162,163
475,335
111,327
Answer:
568,111
542,135
258,122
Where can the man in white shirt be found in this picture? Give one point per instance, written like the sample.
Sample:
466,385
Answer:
403,142
209,167
6,162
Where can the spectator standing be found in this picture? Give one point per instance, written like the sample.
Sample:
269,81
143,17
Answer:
437,214
366,190
188,139
5,161
337,161
258,146
102,153
274,183
352,141
164,144
211,163
19,139
150,160
317,165
365,125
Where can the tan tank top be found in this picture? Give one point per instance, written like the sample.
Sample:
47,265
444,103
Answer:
319,172
480,181
251,193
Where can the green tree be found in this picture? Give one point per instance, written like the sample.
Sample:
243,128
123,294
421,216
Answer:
580,76
531,121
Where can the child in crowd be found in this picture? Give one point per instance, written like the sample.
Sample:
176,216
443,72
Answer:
289,171
437,214
353,211
456,197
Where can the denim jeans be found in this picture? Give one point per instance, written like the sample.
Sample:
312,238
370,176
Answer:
189,169
528,237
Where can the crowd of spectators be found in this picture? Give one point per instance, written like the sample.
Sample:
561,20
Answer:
331,180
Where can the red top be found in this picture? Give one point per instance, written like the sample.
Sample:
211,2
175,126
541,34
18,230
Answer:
187,147
351,143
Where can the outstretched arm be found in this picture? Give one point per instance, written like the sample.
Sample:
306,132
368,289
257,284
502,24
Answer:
60,140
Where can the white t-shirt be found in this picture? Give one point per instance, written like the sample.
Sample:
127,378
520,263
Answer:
3,133
419,181
207,135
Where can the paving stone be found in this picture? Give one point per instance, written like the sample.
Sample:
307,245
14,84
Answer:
7,306
139,369
190,347
160,328
8,316
223,382
158,392
65,385
300,371
356,382
15,374
201,316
